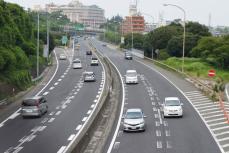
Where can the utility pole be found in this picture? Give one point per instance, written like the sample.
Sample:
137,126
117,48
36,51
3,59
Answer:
47,18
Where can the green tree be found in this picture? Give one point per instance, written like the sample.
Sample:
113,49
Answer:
197,29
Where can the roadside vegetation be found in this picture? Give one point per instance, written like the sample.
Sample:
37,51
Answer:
202,50
18,47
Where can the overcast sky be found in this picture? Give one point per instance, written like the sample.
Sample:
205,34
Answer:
196,10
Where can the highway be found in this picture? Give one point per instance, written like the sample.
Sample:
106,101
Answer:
171,135
70,102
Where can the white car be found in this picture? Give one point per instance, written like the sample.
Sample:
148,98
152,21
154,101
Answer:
131,76
172,107
94,61
89,76
134,120
77,64
63,57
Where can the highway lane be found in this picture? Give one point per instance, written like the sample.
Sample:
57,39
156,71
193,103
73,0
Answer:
68,107
174,135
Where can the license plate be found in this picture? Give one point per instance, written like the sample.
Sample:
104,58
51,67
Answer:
29,111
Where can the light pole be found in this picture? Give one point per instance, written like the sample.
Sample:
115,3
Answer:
38,24
132,34
184,30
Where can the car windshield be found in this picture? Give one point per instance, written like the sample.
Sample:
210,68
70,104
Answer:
133,115
131,74
128,54
76,61
172,103
29,102
94,58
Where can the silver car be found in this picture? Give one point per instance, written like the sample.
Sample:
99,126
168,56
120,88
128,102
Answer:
89,77
134,120
77,64
34,106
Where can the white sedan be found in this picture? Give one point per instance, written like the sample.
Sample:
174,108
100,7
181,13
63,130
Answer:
77,64
63,57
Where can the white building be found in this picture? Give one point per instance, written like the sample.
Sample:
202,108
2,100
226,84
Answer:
91,16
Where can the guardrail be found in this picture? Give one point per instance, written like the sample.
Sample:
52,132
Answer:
3,102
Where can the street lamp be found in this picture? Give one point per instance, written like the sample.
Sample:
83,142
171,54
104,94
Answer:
184,30
38,41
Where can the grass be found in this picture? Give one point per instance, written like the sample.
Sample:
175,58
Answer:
197,68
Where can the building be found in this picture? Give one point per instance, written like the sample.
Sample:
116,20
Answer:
135,23
90,16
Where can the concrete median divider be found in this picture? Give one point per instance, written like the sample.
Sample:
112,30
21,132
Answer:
95,131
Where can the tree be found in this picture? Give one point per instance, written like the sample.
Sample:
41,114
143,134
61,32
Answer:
137,41
197,29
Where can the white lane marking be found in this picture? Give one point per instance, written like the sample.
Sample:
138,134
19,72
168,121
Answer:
213,112
65,73
158,133
63,106
157,123
57,107
30,138
62,76
154,109
23,139
89,112
165,123
202,102
46,93
75,93
58,113
220,128
221,149
42,128
223,139
159,144
206,110
167,133
213,116
10,117
120,133
168,144
61,150
97,96
216,119
57,62
159,114
84,119
210,106
51,88
71,137
59,80
95,101
52,113
225,145
223,133
92,106
56,83
18,149
78,127
153,103
116,145
51,120
191,92
14,115
156,115
78,90
44,120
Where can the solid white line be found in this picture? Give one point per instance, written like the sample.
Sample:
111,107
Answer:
57,62
71,137
61,150
58,113
78,127
221,149
84,119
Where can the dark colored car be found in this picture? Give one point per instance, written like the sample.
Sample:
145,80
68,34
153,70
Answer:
128,55
89,52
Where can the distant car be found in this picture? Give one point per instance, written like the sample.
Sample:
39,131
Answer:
34,106
89,76
77,64
134,120
63,57
94,61
128,55
104,45
89,52
172,107
131,77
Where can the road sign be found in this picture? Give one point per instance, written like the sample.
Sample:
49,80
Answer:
211,73
79,27
64,40
122,40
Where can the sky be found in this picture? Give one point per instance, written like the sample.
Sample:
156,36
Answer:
196,10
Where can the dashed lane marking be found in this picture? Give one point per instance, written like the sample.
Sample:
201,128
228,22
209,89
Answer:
46,93
84,119
51,88
61,150
51,120
78,127
58,113
71,137
159,144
